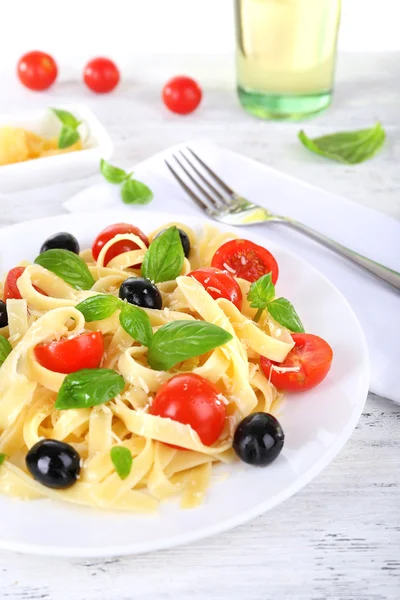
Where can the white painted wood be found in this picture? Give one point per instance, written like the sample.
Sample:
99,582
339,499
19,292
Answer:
339,539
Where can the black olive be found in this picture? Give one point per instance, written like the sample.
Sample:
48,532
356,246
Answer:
54,464
3,314
258,439
184,240
62,241
141,292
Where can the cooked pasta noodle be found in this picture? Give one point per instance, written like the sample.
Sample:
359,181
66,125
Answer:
159,471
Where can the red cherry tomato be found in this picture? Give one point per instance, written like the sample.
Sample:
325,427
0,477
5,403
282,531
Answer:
181,95
11,290
311,356
244,259
120,247
192,400
101,75
37,70
219,284
84,351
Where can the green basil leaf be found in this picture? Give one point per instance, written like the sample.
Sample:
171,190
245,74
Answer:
112,174
89,387
67,265
261,292
5,349
350,147
68,136
283,311
66,118
179,340
98,307
136,323
2,457
122,460
163,260
135,192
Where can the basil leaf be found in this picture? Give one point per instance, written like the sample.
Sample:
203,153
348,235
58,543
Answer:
2,458
5,349
89,387
136,323
163,260
122,460
283,311
261,292
67,265
135,192
68,136
98,307
179,340
66,118
112,174
350,147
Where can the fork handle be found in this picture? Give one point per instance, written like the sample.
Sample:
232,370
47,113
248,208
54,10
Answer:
384,273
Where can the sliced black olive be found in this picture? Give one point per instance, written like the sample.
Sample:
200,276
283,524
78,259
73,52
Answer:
258,439
53,464
184,239
62,241
3,314
141,292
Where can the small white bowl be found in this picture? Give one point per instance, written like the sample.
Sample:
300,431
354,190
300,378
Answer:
97,144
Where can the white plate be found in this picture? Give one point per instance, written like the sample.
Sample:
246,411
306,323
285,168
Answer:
316,423
54,169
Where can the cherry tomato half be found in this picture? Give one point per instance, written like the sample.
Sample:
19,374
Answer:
181,95
219,284
11,290
84,351
311,356
37,70
101,75
244,259
120,247
192,400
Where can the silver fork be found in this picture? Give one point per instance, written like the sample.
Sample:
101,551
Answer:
222,203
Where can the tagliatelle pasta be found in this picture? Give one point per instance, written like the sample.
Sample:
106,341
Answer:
160,470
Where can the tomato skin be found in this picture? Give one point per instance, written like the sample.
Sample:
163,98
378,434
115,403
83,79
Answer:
246,260
101,75
181,95
123,246
219,284
37,70
84,351
11,290
190,399
314,357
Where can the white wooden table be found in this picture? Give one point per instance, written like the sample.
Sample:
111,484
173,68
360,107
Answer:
338,539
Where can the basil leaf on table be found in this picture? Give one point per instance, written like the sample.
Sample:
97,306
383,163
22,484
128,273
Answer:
179,340
350,147
261,292
136,323
122,460
135,192
98,307
67,137
66,118
112,174
2,458
283,311
5,349
89,387
67,265
164,258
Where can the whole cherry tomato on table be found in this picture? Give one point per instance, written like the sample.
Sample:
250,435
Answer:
120,247
219,284
181,95
246,260
310,360
84,351
37,70
101,75
11,290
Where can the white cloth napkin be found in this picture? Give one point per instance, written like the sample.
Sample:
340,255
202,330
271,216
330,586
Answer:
364,230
